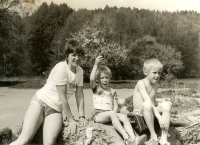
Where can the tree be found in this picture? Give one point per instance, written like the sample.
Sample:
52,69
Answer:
146,48
46,21
11,29
94,44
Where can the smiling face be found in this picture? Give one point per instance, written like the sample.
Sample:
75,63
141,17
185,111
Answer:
104,80
153,75
74,59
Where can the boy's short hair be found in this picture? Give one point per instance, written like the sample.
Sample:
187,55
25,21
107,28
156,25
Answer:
151,62
103,69
72,46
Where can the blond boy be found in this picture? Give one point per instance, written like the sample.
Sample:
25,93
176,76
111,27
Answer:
144,103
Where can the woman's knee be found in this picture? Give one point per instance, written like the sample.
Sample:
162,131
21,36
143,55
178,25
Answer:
49,141
147,106
21,141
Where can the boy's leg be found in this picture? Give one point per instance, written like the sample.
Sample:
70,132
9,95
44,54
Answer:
147,112
32,121
165,108
52,127
105,117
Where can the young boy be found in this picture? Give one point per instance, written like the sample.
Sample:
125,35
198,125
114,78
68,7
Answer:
105,104
144,103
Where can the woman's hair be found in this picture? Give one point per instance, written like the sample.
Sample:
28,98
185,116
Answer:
72,46
103,69
151,62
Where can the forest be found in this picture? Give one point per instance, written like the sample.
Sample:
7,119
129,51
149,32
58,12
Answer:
32,43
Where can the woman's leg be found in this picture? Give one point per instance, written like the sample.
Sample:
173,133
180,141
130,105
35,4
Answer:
52,127
112,116
32,121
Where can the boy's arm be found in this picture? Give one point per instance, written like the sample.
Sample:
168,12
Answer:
157,114
142,89
94,70
162,122
146,97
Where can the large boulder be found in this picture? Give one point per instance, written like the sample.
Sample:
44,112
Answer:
184,129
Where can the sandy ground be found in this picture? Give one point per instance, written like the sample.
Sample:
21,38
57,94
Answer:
14,103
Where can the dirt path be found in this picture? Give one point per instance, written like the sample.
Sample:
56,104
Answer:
14,103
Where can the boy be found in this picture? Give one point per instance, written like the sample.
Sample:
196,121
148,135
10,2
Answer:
144,97
105,104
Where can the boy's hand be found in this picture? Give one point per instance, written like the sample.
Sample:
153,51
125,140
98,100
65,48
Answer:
98,60
163,124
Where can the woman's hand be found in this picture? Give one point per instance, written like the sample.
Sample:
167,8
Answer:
72,126
82,122
98,60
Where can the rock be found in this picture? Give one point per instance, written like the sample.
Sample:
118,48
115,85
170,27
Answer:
101,134
181,133
6,136
198,137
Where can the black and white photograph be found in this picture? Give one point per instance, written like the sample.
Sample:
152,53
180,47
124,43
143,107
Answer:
100,72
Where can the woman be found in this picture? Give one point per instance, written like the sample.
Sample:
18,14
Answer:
65,79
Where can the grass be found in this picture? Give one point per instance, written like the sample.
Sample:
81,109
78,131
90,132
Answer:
23,82
38,82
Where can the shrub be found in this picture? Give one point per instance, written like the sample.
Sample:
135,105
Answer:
146,48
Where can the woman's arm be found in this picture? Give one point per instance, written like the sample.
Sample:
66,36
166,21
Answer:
80,105
62,91
80,100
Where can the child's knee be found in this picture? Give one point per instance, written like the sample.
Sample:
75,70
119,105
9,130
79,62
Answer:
113,114
147,106
166,106
124,118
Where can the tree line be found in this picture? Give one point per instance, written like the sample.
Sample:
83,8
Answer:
32,44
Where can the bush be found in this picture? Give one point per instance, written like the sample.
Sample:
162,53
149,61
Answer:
146,48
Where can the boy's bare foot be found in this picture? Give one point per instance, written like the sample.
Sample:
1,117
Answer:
139,140
152,141
164,142
129,141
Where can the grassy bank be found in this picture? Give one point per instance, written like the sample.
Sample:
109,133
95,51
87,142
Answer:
39,81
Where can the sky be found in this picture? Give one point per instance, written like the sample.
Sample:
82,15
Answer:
169,5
